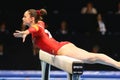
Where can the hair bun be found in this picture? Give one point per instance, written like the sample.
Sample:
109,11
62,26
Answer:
43,12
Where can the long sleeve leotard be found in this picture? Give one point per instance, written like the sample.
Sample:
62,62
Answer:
43,40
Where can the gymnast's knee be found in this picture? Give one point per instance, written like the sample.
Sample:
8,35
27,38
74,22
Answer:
91,59
96,58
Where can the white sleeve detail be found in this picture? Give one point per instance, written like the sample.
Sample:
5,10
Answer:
49,34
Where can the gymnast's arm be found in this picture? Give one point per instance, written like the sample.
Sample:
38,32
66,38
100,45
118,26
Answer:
23,34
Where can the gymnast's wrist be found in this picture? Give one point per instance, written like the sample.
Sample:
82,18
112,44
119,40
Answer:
26,32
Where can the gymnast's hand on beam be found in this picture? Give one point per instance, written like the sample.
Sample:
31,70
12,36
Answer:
19,34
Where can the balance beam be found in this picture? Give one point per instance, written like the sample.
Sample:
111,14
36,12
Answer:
72,66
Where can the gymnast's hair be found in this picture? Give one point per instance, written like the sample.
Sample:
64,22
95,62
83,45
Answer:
37,14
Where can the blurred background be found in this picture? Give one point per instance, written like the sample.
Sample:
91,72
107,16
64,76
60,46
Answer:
93,25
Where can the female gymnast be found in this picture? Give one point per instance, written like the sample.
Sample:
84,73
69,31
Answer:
34,19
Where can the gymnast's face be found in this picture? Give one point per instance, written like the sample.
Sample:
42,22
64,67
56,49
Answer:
27,19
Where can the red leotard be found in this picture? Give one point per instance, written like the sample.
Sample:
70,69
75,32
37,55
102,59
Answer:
43,41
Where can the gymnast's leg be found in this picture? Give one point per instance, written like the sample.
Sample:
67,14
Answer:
87,57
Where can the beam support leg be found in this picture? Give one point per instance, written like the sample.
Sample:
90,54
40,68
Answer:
45,70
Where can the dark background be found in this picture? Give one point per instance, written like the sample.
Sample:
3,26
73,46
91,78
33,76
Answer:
19,56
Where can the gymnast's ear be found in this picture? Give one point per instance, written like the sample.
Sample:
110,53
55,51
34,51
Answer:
33,18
